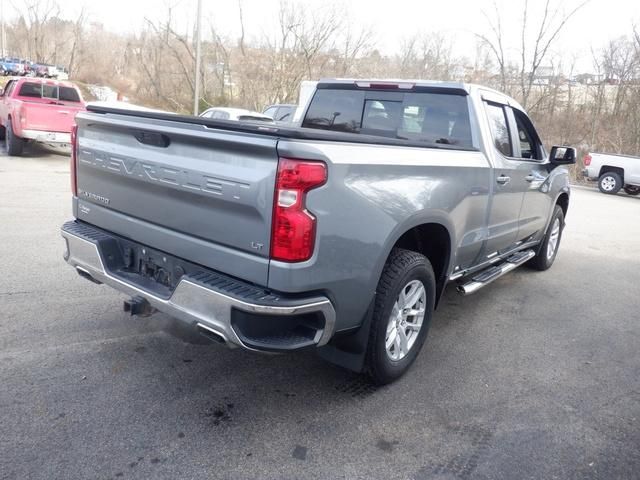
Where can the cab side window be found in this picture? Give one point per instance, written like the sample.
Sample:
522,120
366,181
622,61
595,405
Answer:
529,143
499,128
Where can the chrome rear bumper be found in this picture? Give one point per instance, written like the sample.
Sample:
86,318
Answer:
47,137
192,301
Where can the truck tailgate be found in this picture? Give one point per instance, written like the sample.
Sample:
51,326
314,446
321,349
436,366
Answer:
202,194
48,117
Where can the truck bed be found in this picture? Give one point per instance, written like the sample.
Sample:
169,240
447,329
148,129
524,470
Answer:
270,130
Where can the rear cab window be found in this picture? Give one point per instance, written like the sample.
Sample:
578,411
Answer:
47,91
423,116
30,89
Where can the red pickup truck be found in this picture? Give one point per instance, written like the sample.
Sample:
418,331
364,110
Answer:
39,110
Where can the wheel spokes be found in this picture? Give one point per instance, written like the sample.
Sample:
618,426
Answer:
403,341
391,338
413,296
405,320
414,327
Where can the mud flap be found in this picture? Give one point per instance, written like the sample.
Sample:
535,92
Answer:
348,350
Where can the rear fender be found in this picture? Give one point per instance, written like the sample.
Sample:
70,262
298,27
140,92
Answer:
420,218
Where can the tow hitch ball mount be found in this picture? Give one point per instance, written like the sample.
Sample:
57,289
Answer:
138,306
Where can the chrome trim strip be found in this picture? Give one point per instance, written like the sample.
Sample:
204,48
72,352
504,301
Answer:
191,302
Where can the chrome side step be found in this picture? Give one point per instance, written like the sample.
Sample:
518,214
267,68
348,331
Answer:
485,277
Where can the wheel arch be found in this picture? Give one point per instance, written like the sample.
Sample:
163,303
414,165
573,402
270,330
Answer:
431,238
610,168
563,202
419,235
10,119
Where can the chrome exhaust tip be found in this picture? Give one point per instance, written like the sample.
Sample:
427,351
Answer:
87,276
211,334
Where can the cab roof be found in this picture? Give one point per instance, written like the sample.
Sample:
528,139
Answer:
417,84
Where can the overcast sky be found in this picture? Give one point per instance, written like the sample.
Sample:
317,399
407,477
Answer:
390,20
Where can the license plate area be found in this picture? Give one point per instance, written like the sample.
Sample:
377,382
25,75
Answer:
149,269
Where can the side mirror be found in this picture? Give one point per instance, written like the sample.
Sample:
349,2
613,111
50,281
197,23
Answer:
562,156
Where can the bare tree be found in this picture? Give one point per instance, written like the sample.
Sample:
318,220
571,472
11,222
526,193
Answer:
77,40
38,14
532,53
495,42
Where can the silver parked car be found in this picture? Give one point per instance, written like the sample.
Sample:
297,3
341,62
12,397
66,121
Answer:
238,114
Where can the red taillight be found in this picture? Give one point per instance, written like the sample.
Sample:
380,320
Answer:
74,166
294,228
586,160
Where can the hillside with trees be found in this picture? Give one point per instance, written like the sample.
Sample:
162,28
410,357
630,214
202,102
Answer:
155,66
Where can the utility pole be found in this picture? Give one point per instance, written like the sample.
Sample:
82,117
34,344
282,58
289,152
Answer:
3,33
196,90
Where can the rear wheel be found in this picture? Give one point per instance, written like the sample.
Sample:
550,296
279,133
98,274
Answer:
610,183
404,305
550,243
14,143
631,189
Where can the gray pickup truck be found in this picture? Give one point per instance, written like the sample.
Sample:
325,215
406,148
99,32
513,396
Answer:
339,234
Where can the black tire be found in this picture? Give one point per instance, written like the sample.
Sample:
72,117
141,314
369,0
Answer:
14,143
610,183
543,261
631,190
402,267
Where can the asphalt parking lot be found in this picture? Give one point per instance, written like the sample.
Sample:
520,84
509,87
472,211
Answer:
536,376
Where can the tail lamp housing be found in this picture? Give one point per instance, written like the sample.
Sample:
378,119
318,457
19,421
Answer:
293,226
74,161
586,160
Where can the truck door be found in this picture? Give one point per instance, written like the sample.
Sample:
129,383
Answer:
530,156
508,184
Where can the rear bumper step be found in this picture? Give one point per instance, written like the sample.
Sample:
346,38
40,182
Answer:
237,313
485,277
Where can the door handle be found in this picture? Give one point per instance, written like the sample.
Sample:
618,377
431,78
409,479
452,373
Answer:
530,178
503,179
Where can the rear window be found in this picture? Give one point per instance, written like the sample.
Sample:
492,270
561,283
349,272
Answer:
31,90
68,94
430,118
40,90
